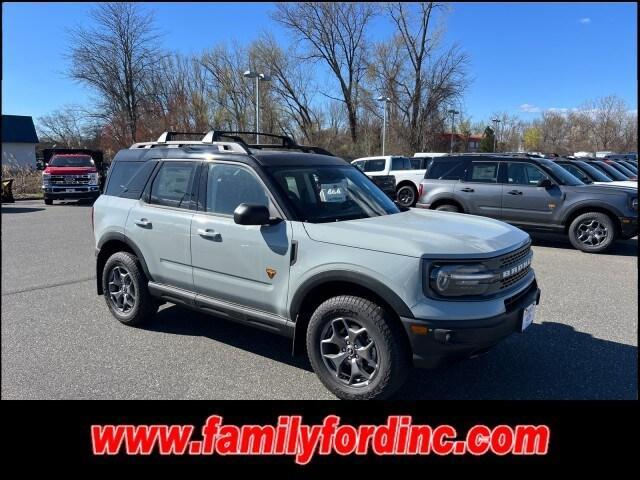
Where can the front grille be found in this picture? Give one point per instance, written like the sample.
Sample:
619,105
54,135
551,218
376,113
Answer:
69,179
512,259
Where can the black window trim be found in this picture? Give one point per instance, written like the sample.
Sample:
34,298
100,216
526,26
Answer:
505,172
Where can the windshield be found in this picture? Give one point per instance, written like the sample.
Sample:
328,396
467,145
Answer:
612,172
72,161
331,193
563,177
623,169
594,173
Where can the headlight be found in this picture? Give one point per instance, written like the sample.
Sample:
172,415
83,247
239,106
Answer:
46,178
461,280
93,178
634,203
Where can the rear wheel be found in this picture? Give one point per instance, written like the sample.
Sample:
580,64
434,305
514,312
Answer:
448,207
125,289
592,232
407,195
48,201
357,349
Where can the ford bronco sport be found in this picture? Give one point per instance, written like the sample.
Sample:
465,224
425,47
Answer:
293,240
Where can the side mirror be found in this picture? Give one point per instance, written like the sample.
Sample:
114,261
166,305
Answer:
252,214
545,183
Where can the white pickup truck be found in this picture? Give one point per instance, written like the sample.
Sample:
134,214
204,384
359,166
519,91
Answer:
408,172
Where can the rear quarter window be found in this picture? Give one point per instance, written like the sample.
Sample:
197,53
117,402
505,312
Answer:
128,179
446,169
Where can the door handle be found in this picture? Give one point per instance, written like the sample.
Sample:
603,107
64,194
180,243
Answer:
208,233
515,192
467,190
143,222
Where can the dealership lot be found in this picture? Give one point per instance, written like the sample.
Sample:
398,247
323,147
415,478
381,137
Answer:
60,341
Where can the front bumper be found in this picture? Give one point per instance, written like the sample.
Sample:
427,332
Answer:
628,227
79,192
446,340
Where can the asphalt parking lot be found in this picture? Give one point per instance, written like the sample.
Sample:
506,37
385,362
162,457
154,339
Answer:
59,340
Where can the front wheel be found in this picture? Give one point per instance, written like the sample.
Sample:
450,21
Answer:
357,349
407,196
448,207
592,232
48,201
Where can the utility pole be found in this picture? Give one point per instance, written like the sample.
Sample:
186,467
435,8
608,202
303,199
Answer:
260,77
453,116
385,100
496,122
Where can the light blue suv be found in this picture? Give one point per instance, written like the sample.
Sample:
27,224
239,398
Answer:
293,240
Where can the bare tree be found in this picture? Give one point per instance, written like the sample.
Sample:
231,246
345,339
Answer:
335,33
115,57
66,127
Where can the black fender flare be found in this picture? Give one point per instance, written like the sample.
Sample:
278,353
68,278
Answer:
376,286
120,237
448,197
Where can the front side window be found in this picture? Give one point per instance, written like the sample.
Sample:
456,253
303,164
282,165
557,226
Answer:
483,172
328,193
417,163
576,172
230,185
173,184
524,174
376,165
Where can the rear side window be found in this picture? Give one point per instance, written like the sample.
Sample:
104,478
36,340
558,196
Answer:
400,163
127,179
483,172
446,169
417,163
376,165
173,184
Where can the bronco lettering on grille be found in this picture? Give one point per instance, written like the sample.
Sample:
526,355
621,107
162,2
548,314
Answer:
518,268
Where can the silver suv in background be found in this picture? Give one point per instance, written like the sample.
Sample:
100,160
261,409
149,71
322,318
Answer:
532,193
295,241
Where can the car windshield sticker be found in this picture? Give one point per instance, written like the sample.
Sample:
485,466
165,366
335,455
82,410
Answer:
333,192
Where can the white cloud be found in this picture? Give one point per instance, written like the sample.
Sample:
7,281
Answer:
557,110
585,21
527,107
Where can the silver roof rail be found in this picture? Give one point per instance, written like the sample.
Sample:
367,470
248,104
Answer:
164,140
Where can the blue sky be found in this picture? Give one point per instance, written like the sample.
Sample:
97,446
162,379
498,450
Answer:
524,57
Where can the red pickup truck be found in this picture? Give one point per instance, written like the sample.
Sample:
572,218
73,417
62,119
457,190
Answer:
71,174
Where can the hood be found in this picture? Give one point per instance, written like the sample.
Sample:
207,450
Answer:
619,183
418,233
602,189
70,170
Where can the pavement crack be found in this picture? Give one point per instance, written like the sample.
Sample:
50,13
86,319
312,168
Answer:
48,285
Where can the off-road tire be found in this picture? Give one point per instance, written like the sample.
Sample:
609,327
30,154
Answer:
595,218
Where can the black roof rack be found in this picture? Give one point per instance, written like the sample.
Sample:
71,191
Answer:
286,142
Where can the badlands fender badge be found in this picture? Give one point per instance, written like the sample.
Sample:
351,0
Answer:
271,273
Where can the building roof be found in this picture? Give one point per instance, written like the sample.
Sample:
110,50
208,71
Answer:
18,129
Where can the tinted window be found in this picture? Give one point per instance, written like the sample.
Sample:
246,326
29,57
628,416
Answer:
594,173
446,169
561,175
72,161
400,163
610,171
230,185
375,165
485,172
135,186
173,183
624,170
120,174
359,165
418,163
524,174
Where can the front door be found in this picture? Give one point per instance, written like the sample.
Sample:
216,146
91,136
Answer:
523,202
240,264
479,191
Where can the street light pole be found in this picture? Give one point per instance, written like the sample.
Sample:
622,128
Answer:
260,77
453,116
496,122
384,118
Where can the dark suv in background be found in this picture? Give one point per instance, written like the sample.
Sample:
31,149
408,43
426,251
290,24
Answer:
531,193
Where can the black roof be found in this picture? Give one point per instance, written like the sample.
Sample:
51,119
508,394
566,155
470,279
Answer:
18,129
257,157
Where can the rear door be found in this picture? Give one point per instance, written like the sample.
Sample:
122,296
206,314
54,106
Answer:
523,202
480,191
160,223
